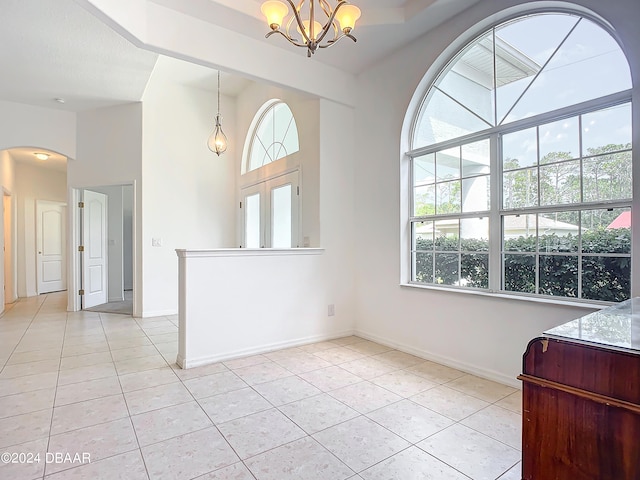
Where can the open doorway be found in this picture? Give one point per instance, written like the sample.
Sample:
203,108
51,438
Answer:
104,228
9,292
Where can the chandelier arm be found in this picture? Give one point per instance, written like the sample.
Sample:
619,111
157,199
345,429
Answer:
330,22
296,15
331,43
289,39
326,8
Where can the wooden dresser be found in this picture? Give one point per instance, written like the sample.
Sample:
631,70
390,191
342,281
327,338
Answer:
581,399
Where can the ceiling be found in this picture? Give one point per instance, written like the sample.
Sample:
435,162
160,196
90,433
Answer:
63,57
26,156
385,25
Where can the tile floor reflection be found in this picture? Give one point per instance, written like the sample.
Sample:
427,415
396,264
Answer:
107,385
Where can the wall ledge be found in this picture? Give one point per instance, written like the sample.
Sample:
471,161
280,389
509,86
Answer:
246,252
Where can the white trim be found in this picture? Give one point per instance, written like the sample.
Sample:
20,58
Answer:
73,240
515,296
200,361
157,313
247,252
185,363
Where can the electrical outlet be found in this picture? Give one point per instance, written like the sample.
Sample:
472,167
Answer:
156,242
331,310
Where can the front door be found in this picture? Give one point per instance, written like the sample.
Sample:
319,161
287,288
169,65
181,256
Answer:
50,238
94,258
270,211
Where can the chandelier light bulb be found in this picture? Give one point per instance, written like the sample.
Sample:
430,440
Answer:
275,12
347,16
217,142
317,29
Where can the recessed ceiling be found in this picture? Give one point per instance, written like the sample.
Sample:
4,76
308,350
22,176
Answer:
385,25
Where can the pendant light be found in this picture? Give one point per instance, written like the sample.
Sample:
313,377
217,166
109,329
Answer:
217,142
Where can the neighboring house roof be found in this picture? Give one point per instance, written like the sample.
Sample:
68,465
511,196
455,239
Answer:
513,223
621,221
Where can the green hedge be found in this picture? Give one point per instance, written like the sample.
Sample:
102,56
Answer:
603,278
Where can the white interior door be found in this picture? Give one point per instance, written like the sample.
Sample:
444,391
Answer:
94,239
51,245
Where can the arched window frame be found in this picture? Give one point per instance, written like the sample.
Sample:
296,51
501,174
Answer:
494,135
252,137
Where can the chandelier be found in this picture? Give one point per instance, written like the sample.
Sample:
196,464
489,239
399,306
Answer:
340,21
217,142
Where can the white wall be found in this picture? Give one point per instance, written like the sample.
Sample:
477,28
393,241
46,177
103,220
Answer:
33,183
306,113
240,301
480,334
287,305
110,153
8,256
337,208
188,194
28,126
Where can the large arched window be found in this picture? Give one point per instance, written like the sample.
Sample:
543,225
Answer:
521,164
275,135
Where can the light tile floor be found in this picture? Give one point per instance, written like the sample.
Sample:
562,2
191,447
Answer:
104,387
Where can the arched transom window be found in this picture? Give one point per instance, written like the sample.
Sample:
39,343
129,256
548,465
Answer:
275,135
521,164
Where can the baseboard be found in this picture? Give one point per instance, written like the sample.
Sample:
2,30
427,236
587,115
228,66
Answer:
447,361
186,363
159,313
492,375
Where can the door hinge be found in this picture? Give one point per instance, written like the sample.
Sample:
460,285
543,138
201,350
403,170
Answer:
81,248
240,204
81,292
298,190
80,204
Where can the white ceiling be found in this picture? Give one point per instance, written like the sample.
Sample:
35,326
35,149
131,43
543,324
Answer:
57,49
